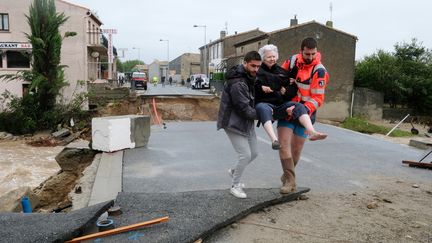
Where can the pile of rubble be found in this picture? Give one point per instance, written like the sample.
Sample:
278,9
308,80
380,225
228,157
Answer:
61,137
8,136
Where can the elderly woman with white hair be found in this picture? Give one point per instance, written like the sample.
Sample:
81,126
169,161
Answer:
274,93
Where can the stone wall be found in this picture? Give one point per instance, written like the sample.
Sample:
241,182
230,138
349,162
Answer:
368,104
396,114
103,93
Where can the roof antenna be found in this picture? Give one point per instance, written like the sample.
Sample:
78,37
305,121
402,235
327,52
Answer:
331,11
226,28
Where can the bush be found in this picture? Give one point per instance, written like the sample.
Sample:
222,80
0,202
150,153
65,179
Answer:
25,116
218,76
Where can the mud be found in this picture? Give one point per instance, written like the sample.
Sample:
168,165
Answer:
24,165
167,108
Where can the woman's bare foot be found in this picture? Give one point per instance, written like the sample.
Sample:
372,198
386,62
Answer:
317,136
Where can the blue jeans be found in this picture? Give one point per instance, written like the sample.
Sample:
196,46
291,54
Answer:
267,112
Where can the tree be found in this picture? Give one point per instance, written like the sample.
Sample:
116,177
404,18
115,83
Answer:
47,75
416,74
119,65
380,72
37,110
404,77
130,64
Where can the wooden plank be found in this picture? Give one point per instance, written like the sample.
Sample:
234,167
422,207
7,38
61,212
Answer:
417,164
119,230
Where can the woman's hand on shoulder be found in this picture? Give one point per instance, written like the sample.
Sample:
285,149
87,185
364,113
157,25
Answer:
266,89
282,90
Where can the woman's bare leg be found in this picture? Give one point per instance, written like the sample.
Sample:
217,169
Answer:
307,123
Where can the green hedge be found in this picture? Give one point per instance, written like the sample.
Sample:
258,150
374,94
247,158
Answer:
218,76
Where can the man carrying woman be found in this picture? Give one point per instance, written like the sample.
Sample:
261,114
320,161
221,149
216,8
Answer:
311,78
274,93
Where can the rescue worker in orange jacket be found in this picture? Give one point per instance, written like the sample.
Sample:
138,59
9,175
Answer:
311,78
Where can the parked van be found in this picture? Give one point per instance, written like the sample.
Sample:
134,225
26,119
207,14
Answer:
199,81
139,80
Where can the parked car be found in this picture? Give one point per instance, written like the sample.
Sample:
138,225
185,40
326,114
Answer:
199,81
139,80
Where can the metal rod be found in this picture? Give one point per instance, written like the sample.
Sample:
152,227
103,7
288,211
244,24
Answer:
397,125
426,156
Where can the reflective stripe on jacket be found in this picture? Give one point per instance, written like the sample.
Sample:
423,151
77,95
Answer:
311,80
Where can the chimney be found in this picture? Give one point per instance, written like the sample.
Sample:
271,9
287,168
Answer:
222,34
329,23
294,21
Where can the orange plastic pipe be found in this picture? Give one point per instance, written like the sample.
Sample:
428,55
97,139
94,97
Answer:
119,230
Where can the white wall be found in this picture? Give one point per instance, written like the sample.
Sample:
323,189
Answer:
74,53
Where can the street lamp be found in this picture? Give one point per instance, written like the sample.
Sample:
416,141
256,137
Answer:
167,41
205,47
139,52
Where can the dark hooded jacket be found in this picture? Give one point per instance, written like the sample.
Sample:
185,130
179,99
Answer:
275,77
236,110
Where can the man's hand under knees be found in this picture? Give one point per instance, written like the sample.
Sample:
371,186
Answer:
289,112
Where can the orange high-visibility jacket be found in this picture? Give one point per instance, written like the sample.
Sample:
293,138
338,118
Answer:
311,80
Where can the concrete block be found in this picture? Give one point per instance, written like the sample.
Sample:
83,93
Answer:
421,143
114,133
108,179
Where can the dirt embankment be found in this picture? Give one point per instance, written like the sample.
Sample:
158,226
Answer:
22,163
186,108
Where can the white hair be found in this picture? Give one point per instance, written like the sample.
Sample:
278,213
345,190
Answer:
262,51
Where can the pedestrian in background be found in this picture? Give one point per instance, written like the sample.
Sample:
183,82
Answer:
155,80
237,114
188,83
163,81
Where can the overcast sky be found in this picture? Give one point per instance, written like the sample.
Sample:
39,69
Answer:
378,24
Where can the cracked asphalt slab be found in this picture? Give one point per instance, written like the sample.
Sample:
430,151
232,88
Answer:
186,166
192,215
49,227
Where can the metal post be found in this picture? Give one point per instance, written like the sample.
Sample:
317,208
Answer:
168,67
167,71
205,51
205,48
397,125
139,52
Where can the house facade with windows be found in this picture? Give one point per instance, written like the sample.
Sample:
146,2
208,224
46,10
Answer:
337,50
185,65
82,54
158,69
222,48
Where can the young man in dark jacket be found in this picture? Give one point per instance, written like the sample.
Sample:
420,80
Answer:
237,114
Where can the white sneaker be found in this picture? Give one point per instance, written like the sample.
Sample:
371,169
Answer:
237,191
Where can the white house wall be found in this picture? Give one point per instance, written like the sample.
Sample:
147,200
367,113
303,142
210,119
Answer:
215,56
74,52
17,27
